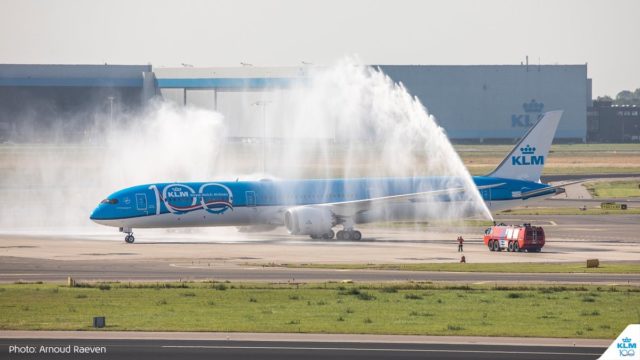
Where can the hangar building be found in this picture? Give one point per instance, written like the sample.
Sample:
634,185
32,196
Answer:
61,101
492,103
483,103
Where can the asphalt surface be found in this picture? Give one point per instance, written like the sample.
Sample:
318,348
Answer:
547,178
190,349
25,269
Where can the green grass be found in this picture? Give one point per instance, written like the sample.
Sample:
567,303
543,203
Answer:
556,149
621,268
568,211
567,170
614,189
411,308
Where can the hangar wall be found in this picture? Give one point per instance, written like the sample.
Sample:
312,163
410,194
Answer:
59,102
486,103
493,102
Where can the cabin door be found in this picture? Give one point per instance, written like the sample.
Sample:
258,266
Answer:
251,198
141,202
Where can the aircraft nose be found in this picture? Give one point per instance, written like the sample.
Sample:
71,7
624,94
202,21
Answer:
95,214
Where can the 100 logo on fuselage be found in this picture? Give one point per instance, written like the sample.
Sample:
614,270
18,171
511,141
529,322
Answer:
181,198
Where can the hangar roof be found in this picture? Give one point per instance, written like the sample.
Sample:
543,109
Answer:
245,77
73,75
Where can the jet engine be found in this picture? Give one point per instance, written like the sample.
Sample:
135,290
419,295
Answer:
304,220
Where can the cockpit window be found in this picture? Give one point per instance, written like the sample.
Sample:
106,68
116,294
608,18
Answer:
109,201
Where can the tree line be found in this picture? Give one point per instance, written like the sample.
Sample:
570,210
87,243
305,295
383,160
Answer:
624,97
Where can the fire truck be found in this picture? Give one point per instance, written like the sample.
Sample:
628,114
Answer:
514,238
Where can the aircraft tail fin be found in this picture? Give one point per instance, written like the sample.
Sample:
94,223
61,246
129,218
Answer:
527,158
625,346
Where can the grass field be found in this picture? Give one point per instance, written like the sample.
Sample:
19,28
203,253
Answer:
614,189
479,159
569,211
621,268
403,308
563,159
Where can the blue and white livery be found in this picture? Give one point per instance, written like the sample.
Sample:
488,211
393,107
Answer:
315,207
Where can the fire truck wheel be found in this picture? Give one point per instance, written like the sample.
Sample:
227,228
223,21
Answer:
496,246
510,246
516,247
490,244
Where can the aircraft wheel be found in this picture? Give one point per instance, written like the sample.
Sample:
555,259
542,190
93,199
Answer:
340,235
346,235
329,235
313,236
129,239
357,235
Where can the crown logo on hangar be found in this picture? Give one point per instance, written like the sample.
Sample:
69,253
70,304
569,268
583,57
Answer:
528,150
533,106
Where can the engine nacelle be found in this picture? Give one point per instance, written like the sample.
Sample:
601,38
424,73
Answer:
305,220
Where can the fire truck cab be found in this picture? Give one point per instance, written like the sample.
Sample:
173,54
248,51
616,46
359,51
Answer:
514,238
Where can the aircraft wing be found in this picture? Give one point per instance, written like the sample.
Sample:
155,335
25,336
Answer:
351,208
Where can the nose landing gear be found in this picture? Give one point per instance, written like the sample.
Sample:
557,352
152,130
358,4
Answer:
129,239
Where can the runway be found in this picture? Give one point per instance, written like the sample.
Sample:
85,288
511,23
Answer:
30,270
226,254
190,349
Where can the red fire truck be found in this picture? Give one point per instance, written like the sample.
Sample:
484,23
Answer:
514,238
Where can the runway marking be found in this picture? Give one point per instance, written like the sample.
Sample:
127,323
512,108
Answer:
31,274
371,349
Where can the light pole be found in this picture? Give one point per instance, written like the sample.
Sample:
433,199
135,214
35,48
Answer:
111,98
264,132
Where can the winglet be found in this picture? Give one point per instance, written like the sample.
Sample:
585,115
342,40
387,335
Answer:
625,346
527,158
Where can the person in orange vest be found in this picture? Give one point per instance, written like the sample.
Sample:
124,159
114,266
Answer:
460,242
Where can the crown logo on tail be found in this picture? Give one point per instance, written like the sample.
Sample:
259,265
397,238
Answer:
528,150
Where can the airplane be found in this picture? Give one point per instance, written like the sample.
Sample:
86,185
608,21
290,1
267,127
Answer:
316,207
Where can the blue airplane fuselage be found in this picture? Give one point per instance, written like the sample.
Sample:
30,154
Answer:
216,199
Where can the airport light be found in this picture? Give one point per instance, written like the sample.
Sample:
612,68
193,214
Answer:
264,104
111,98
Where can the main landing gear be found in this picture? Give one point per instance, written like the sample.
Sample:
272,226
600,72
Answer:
349,235
326,236
348,232
129,239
